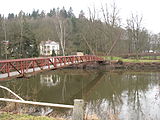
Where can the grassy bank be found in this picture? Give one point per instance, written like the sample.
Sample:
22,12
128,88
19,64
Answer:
130,60
9,116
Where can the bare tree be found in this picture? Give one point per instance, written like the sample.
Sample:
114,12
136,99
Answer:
89,46
111,17
63,30
5,37
134,30
21,21
60,29
113,23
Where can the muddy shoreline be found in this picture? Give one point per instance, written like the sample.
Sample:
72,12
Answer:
115,65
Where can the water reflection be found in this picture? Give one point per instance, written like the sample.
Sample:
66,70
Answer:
116,94
49,80
128,96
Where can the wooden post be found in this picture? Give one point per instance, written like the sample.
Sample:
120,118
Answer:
78,111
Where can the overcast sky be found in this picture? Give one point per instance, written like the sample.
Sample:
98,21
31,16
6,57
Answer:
149,9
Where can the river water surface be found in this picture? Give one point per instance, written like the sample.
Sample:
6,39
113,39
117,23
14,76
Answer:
126,95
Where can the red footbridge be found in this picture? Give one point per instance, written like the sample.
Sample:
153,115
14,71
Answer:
21,67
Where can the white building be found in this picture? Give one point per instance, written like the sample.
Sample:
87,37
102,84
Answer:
46,47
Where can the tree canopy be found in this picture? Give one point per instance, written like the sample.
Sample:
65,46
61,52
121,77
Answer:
90,35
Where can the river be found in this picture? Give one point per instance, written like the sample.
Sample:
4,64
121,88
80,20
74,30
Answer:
124,95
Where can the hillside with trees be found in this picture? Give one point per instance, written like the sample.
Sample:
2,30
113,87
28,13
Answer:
21,34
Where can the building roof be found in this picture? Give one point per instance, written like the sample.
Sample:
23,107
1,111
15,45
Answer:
49,42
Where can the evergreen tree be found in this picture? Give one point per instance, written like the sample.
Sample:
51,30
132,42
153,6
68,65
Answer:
10,16
63,13
42,15
30,46
81,15
53,53
70,13
35,14
25,46
52,13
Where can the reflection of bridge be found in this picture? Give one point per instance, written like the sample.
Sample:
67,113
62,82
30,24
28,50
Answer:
20,67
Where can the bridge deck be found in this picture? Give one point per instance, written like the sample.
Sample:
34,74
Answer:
20,67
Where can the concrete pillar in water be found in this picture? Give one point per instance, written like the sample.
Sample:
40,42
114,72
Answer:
78,110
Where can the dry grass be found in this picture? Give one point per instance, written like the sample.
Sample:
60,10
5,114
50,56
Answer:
9,116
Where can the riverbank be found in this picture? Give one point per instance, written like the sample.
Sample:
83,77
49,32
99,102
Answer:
147,59
10,116
119,64
130,64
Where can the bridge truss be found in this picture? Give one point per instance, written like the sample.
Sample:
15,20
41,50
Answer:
20,67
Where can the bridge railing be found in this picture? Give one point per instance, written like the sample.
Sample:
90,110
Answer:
26,65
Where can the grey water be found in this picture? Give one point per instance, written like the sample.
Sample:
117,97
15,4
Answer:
127,95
